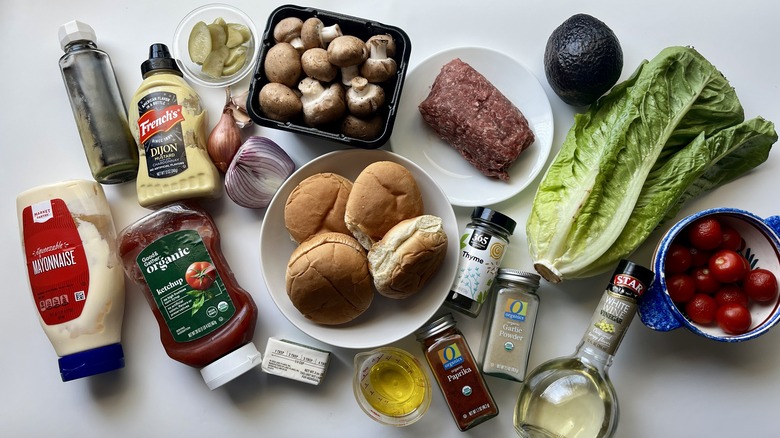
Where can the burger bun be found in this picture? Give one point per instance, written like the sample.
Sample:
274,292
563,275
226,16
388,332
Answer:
407,256
328,280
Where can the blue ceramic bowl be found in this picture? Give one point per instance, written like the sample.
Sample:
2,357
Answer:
762,249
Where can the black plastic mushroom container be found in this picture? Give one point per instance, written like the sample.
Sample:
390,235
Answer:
358,27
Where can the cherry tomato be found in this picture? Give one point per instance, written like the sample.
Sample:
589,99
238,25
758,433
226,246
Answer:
699,257
681,288
733,318
728,266
705,233
701,309
761,285
705,280
731,293
200,275
678,259
730,238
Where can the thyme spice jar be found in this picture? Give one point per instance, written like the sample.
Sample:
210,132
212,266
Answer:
482,247
509,327
455,369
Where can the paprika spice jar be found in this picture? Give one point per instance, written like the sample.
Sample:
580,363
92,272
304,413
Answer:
455,369
206,319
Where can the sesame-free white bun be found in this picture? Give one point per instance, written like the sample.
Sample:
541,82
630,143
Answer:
317,205
327,279
407,256
383,194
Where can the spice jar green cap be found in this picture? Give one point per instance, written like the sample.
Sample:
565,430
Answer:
495,218
436,326
527,278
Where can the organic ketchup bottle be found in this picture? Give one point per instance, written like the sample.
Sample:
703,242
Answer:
206,319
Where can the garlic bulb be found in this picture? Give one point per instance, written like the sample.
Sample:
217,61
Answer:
257,171
240,114
225,138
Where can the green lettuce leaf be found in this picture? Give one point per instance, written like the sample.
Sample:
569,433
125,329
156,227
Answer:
589,193
702,165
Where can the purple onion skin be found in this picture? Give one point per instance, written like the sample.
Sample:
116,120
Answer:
256,172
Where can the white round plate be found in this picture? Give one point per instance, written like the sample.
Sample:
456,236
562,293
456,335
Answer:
386,320
464,185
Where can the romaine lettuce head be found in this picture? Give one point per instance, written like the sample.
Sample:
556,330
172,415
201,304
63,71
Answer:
629,160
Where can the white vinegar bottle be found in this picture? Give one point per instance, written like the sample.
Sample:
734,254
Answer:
572,396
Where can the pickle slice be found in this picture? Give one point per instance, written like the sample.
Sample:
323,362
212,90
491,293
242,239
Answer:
218,35
215,62
199,43
234,37
242,29
235,60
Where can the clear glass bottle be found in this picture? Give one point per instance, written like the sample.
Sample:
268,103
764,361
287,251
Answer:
455,369
97,104
573,396
483,245
509,327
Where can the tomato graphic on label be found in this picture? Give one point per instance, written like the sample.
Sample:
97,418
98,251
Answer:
200,275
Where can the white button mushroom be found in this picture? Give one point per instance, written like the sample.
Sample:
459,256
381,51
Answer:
288,30
321,105
315,34
379,67
364,98
279,102
316,65
283,64
347,52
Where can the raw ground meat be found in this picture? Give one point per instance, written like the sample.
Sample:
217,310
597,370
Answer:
473,116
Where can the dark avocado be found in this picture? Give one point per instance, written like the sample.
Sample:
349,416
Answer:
582,60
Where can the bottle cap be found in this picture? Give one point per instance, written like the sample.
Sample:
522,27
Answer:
495,218
631,279
527,278
159,59
231,365
90,362
75,31
436,326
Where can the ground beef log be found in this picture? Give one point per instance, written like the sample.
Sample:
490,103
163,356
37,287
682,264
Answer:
472,115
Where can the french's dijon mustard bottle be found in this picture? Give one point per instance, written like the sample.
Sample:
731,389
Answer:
169,124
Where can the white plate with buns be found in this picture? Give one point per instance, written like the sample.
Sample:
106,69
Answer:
464,185
386,320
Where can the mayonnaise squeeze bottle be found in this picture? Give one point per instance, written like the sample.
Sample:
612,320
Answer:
75,274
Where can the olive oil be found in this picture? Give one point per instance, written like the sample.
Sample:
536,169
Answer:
396,388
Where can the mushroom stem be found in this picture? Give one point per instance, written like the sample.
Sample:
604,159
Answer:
378,48
329,33
349,73
321,105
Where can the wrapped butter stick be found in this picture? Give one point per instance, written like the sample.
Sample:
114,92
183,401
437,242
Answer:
295,361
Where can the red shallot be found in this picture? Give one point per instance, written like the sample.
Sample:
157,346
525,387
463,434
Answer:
225,138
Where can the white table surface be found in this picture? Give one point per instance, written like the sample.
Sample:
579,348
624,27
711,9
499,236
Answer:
669,384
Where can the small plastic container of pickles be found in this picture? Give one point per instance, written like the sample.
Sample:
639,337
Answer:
234,35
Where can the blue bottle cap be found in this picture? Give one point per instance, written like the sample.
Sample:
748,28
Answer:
90,362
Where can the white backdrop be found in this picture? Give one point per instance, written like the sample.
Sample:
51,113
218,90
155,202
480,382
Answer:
669,384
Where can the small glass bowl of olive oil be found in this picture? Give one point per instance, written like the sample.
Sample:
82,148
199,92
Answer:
391,386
